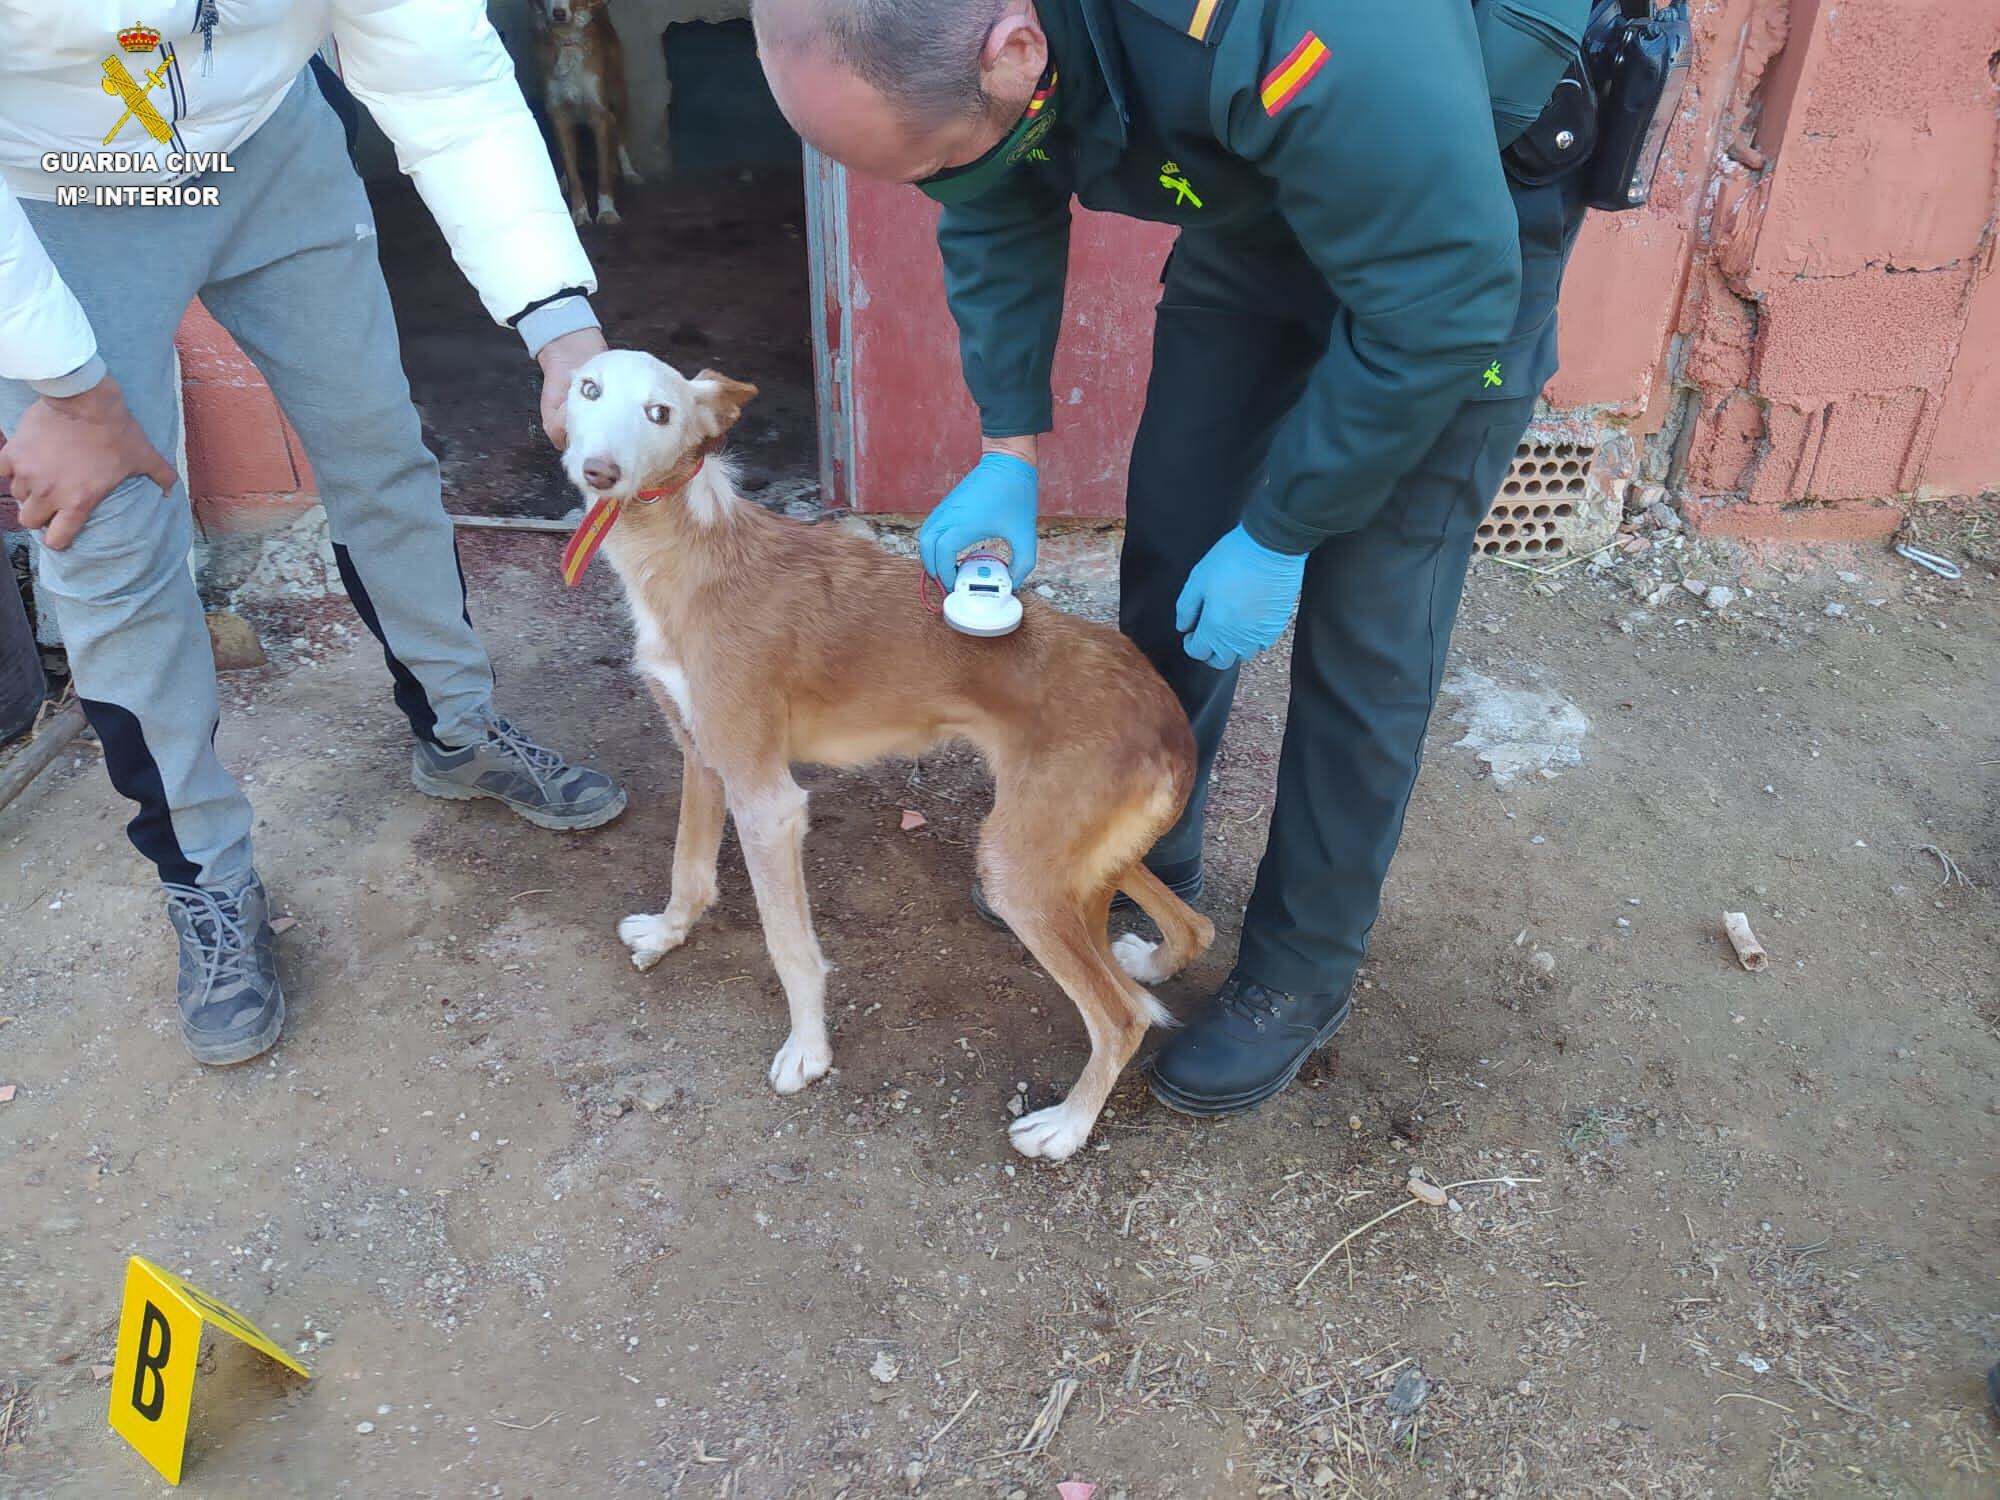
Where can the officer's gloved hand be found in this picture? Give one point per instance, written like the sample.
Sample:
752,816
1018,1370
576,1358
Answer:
997,499
1237,600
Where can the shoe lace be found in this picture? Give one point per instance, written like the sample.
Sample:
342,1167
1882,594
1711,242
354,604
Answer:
1252,1001
215,925
543,764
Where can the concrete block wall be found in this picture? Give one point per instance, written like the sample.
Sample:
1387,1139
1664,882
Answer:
1804,328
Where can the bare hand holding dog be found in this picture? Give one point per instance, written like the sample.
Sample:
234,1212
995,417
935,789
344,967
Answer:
68,452
559,358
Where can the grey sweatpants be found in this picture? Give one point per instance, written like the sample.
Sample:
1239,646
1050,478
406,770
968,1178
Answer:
287,263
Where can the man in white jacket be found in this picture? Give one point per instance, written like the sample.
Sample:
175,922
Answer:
143,165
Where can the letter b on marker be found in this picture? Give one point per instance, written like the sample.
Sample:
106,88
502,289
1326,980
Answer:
149,1386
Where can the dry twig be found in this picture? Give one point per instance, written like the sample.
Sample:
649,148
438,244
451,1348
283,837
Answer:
1042,1431
532,1427
1953,875
1449,1187
935,1437
1746,1396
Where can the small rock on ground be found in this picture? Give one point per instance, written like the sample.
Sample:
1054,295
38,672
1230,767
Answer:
234,643
1411,1390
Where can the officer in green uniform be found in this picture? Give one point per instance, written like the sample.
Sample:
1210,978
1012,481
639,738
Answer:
1355,321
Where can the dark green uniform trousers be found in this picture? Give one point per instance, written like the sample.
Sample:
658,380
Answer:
1240,325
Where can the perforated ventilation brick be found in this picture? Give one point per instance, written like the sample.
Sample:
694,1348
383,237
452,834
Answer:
1536,511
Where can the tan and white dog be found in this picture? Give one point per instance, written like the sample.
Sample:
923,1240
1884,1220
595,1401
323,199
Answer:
582,64
769,643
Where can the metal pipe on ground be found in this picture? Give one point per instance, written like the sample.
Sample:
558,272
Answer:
560,524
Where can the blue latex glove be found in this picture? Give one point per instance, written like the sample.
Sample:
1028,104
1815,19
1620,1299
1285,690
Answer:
996,499
1237,600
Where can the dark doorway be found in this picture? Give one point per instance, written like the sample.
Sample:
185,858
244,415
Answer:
708,269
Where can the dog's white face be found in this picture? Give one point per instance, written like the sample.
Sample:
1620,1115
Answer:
568,12
634,421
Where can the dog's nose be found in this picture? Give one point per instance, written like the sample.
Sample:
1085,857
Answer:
559,15
601,472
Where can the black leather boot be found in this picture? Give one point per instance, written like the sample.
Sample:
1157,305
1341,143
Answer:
1246,1046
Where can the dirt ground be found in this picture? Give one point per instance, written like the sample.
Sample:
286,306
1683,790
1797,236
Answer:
540,1228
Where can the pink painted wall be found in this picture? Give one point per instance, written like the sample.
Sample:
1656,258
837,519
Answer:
245,466
916,430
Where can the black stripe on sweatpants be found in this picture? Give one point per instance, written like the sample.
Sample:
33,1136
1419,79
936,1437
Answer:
335,92
136,775
464,589
410,695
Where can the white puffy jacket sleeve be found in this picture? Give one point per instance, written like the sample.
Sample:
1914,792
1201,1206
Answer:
440,83
45,339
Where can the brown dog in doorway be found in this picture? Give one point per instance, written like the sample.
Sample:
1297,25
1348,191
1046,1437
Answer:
583,85
768,643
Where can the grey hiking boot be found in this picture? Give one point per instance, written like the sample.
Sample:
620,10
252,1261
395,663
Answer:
511,768
232,1007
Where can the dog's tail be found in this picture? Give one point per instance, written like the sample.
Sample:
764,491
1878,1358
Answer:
1184,932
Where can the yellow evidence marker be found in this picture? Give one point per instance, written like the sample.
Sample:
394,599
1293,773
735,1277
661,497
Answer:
152,1374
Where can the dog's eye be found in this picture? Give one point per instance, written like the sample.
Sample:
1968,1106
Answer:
590,390
659,415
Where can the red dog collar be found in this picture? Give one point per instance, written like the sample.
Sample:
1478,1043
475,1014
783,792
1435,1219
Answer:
599,520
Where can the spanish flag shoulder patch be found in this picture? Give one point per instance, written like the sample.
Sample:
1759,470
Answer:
1283,83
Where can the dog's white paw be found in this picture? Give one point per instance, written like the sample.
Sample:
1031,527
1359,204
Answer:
651,938
579,215
1053,1134
1140,958
606,214
799,1063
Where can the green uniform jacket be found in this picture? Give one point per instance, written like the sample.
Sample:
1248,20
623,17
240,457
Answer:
1369,130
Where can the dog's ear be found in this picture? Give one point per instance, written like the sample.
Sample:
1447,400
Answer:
723,398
